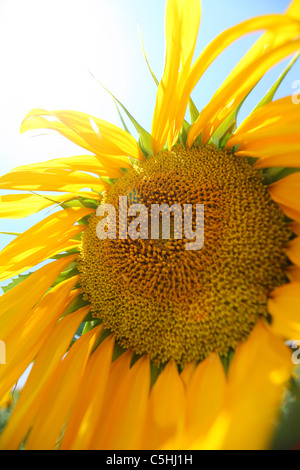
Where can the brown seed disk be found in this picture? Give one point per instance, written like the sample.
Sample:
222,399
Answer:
168,302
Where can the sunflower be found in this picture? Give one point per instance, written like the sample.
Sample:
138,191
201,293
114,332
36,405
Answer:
142,344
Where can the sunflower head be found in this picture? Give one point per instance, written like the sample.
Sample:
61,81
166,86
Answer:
144,341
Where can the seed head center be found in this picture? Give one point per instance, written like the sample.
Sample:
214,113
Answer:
169,302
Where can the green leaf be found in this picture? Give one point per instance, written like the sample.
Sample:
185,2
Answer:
194,113
15,282
288,431
71,271
144,136
14,234
144,52
270,95
273,174
226,129
77,303
184,132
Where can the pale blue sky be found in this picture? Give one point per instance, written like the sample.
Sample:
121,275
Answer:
48,46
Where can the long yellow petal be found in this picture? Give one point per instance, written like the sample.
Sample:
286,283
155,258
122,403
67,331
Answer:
205,396
128,412
83,422
272,134
268,42
41,241
166,409
284,306
53,179
258,374
235,91
286,192
33,392
60,394
221,42
293,273
81,163
17,206
118,373
26,339
93,134
18,302
181,25
293,250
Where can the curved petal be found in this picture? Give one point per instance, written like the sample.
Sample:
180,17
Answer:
227,37
231,95
128,411
41,241
284,306
272,134
17,303
181,24
258,374
83,422
59,395
17,206
26,339
88,163
33,392
93,134
53,179
166,409
286,192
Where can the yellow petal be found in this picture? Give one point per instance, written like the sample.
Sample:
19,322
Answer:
221,42
286,192
284,306
258,374
272,134
93,134
117,376
60,394
231,94
166,408
181,25
126,419
293,251
81,163
17,206
41,241
26,339
293,273
83,422
53,179
18,302
32,394
205,395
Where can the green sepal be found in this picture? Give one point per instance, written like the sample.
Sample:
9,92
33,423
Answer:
77,303
273,174
69,272
271,93
226,360
183,134
144,136
15,281
80,202
287,434
145,56
74,251
226,128
194,113
14,234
